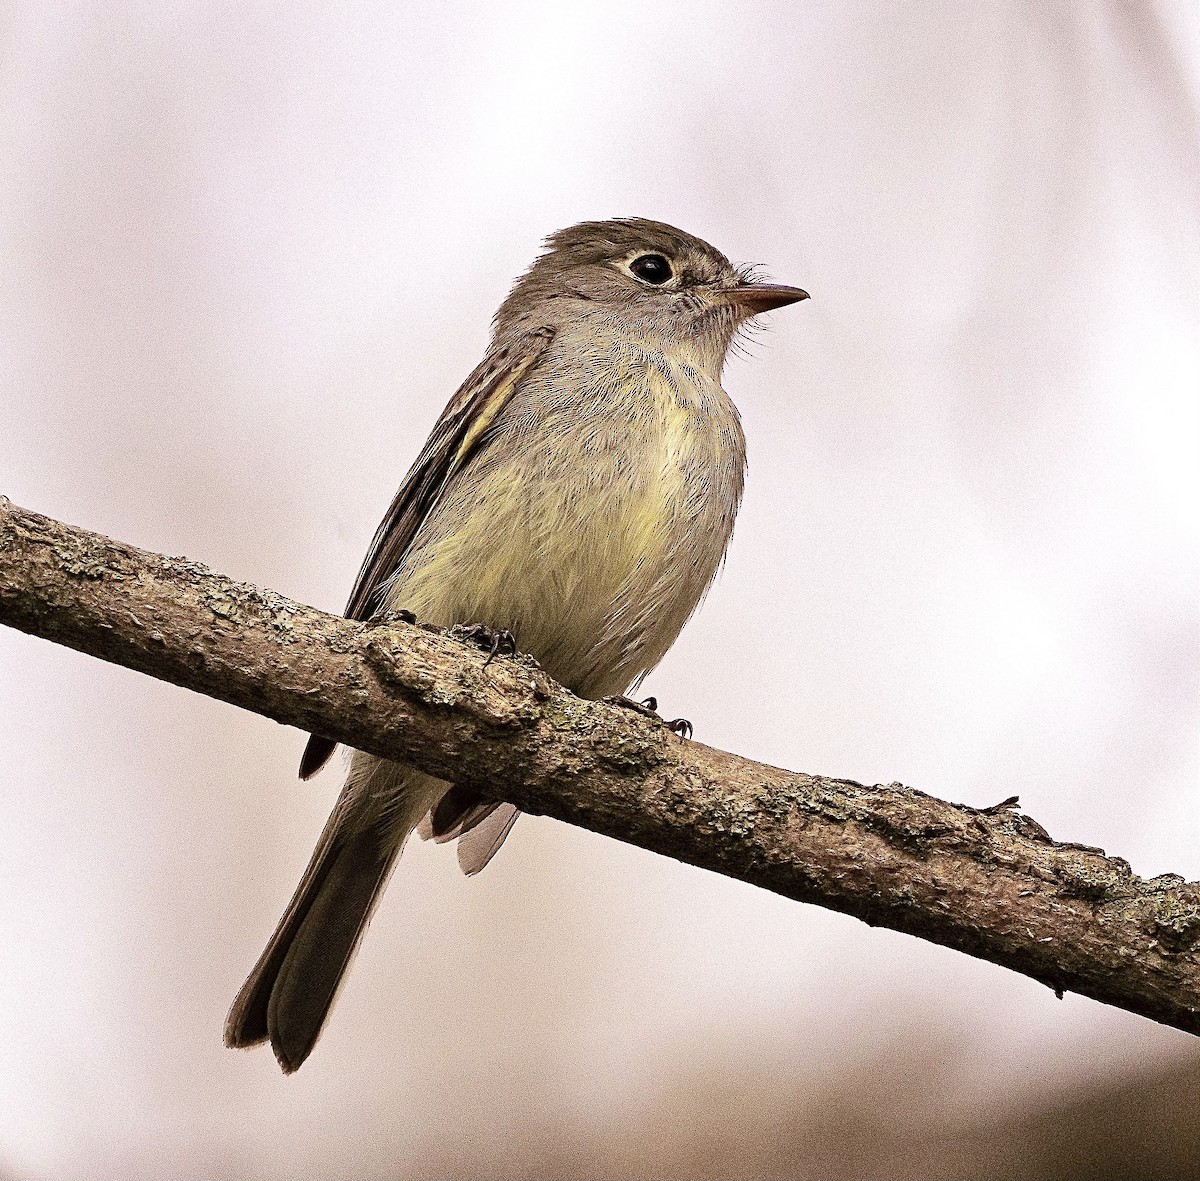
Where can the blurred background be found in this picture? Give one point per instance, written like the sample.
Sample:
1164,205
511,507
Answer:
247,252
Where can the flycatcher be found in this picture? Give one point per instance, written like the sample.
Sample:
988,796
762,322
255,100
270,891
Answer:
578,492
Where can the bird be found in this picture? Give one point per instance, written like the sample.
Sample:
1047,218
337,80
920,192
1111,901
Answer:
577,494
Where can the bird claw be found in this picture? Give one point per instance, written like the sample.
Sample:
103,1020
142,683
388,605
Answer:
494,640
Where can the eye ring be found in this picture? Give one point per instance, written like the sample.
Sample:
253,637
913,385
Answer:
651,268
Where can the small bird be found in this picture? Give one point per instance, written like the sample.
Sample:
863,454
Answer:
578,493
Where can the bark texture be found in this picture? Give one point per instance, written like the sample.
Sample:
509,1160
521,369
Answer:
990,882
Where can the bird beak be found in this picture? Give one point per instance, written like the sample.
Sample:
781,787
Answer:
762,297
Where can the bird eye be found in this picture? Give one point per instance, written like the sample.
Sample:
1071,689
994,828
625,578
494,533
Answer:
651,268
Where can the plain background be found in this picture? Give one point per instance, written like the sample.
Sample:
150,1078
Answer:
247,252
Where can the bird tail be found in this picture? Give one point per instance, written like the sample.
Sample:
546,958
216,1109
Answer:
294,984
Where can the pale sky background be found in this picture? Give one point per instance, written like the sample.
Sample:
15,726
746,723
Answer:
248,251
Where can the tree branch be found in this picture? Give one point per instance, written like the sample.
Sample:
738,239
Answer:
988,882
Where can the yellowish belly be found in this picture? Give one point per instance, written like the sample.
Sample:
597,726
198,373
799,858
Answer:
591,546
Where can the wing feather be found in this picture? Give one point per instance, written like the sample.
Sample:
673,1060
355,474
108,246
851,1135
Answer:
480,844
455,439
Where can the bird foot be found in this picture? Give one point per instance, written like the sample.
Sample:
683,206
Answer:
494,641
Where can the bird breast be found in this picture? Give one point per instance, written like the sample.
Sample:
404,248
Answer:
592,521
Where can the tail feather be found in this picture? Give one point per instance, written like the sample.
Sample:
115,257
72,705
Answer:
293,985
323,946
295,982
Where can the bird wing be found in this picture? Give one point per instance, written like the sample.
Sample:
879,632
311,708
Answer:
454,441
480,843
